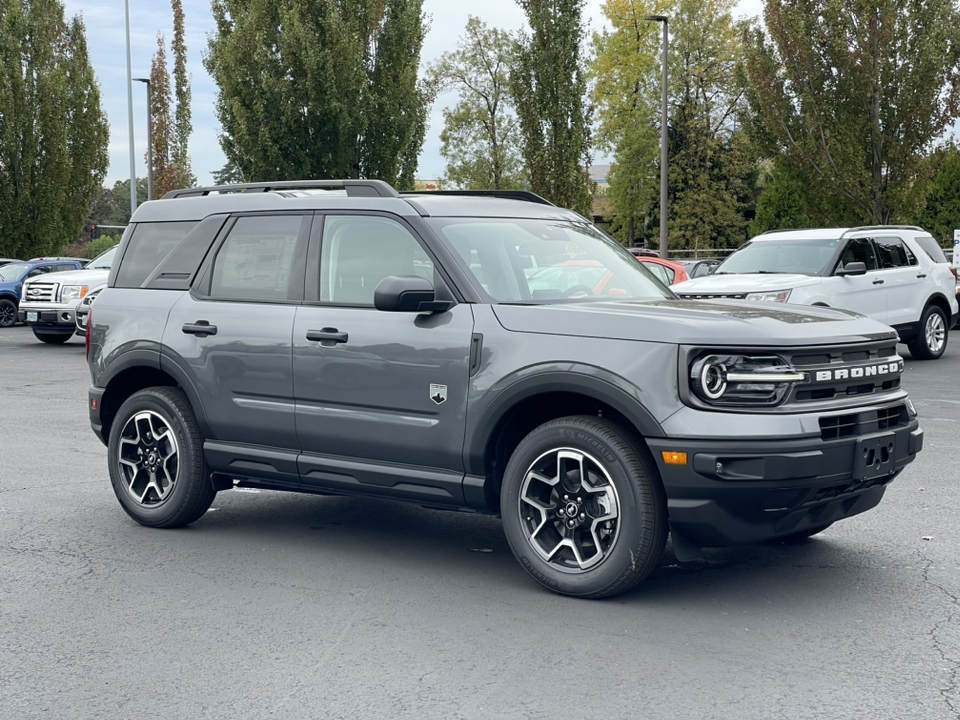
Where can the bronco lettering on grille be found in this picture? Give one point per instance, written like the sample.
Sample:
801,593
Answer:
863,371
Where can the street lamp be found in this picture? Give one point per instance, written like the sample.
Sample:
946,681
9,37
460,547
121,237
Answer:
663,140
149,140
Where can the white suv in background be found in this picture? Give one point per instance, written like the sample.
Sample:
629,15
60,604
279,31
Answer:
897,274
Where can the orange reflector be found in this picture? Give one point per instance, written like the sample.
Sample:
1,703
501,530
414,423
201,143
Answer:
93,404
674,458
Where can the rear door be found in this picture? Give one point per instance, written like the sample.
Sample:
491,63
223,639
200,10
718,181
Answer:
903,280
231,333
864,294
380,396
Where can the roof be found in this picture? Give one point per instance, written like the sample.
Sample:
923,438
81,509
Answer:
832,233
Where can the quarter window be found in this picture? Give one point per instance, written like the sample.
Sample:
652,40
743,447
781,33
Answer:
893,253
257,260
358,252
148,246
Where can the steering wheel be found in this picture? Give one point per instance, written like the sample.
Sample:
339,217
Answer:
578,290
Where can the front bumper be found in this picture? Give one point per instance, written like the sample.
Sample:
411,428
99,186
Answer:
732,492
53,320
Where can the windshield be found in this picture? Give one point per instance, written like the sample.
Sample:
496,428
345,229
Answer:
786,255
541,261
13,271
103,261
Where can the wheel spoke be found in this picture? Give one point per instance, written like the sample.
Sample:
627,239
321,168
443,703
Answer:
147,456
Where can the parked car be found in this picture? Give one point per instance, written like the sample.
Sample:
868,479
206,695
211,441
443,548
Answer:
643,252
12,277
7,261
49,303
82,310
699,268
666,271
372,343
896,274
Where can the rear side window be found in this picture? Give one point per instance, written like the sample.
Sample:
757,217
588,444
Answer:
177,270
932,248
893,253
148,246
258,260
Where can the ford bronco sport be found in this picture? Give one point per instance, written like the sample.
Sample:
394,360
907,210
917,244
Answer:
338,337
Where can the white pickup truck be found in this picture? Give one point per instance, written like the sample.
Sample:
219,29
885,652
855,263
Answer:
48,302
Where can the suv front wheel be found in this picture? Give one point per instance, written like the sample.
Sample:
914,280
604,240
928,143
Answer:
931,341
156,460
583,508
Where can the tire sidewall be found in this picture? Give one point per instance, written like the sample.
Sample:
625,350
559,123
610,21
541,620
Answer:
7,301
611,569
187,448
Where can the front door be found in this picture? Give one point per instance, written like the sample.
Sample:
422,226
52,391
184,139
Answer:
864,294
380,396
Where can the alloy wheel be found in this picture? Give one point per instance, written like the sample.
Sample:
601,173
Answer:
148,458
569,509
935,332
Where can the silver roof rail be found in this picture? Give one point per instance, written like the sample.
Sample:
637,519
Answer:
354,188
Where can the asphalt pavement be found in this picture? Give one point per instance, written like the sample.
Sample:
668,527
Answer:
279,605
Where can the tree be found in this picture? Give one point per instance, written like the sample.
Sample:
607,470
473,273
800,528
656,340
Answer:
161,119
53,133
783,202
229,174
854,92
549,89
182,128
480,138
941,216
319,88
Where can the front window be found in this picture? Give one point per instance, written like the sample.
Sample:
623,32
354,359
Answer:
103,261
13,271
543,261
785,255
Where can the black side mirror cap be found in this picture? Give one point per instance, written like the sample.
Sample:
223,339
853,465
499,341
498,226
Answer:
852,268
407,293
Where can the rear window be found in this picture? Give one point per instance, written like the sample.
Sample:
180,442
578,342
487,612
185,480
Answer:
148,246
932,248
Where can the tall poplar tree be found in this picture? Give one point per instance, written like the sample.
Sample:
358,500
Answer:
549,89
320,88
53,133
854,93
180,148
162,131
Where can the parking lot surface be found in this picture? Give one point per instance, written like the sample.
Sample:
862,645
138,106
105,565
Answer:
298,606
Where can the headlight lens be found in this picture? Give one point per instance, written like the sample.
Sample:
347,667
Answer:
72,292
771,296
742,380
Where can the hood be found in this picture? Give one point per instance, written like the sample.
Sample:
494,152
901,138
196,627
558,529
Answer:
74,277
696,322
747,282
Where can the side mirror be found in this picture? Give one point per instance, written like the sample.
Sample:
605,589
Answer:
852,268
407,293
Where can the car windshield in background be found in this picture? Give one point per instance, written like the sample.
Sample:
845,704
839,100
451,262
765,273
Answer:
13,272
803,257
103,261
542,261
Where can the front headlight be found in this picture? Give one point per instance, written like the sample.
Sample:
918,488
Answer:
742,380
772,296
72,292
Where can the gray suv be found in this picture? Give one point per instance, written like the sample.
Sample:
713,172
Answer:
481,354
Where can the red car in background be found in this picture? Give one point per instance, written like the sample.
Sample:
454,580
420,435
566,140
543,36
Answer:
666,271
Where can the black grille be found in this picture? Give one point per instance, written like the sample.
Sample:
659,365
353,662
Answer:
714,296
861,359
834,427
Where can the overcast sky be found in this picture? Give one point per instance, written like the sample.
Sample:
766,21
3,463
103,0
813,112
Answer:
105,35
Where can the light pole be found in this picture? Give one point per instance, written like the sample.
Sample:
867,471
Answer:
133,160
149,139
663,139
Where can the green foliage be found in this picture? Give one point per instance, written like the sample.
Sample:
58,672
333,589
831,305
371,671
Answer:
229,174
99,246
320,88
481,141
853,93
161,119
941,216
112,206
549,89
182,128
782,204
53,133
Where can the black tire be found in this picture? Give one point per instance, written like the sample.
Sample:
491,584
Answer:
611,556
8,313
931,340
52,338
156,488
803,534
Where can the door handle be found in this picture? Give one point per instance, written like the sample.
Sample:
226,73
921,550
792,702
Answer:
922,275
327,337
878,282
201,328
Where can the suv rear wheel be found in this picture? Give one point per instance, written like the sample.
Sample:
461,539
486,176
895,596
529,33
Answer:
156,460
931,341
583,508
